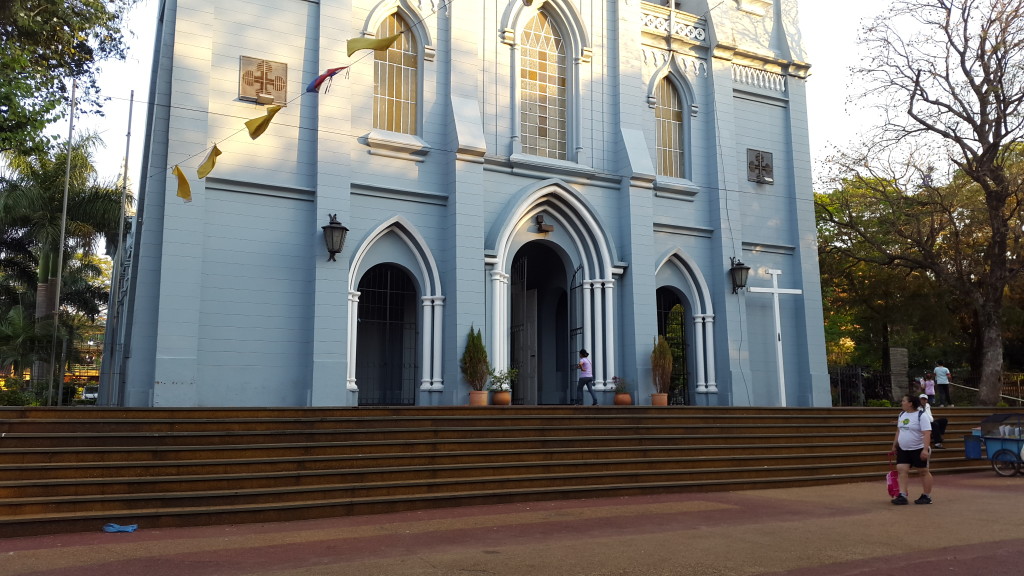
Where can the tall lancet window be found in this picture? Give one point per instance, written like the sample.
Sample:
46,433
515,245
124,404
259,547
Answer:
668,110
543,92
395,79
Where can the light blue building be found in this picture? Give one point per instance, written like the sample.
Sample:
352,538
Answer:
561,174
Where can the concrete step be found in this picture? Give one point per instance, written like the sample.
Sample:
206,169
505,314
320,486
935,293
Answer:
63,470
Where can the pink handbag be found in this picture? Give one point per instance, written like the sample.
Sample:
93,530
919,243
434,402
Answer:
892,480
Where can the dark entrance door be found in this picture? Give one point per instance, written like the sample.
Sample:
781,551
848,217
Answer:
387,336
539,325
672,325
575,339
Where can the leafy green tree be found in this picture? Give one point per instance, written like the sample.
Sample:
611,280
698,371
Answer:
85,286
947,74
25,340
1013,327
870,307
20,342
45,44
31,203
17,270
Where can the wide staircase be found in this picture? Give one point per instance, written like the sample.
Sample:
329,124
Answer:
76,469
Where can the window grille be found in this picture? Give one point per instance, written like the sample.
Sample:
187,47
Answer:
543,90
668,110
395,79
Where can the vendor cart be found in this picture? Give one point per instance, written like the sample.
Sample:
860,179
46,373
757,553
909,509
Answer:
1003,437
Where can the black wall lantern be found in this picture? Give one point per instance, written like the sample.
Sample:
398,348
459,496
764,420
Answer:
334,236
739,273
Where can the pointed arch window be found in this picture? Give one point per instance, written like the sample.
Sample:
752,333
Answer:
668,110
396,79
543,90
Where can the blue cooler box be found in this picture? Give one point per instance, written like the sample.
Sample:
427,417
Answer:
972,447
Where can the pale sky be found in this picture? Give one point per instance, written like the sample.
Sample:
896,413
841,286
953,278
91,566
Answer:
829,29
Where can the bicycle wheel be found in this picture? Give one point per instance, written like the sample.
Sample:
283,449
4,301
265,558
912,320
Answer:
1005,463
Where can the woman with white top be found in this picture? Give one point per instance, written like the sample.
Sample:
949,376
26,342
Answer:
911,445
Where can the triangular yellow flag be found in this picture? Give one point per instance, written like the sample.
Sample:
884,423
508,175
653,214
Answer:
211,160
356,44
184,190
259,125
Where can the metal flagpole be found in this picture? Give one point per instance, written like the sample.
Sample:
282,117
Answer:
110,396
60,254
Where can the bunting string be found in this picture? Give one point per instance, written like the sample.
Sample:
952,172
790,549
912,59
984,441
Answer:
257,126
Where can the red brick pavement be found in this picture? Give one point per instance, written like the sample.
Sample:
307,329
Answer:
975,527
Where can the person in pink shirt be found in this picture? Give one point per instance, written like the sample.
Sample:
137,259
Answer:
928,387
586,377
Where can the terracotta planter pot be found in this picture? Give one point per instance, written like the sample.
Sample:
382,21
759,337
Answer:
501,398
478,397
659,399
623,399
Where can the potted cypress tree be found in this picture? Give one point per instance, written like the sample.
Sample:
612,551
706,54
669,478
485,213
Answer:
475,367
661,370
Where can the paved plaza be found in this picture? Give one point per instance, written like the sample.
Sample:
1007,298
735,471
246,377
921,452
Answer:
975,527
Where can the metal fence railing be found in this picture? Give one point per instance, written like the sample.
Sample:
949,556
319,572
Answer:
964,390
859,386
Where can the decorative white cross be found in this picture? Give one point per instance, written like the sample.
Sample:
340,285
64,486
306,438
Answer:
775,291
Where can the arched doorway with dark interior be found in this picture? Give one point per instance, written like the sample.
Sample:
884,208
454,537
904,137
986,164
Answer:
387,340
672,324
539,327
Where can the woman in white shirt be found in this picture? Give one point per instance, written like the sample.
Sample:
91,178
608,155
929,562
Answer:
911,446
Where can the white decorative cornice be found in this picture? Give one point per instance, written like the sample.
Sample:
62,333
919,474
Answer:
758,78
680,25
696,66
655,58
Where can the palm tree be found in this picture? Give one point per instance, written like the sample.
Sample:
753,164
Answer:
85,286
20,342
17,271
31,204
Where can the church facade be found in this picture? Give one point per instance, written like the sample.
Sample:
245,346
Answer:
559,174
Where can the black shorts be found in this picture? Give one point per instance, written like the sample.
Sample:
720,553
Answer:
912,457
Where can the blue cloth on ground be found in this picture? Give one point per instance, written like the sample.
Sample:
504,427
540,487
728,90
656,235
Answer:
119,528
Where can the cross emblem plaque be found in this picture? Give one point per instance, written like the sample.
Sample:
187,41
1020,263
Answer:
262,77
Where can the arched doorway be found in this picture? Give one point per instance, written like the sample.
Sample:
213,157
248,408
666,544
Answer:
387,335
672,324
539,328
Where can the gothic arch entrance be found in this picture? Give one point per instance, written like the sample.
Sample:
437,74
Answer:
539,329
682,288
672,316
387,333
